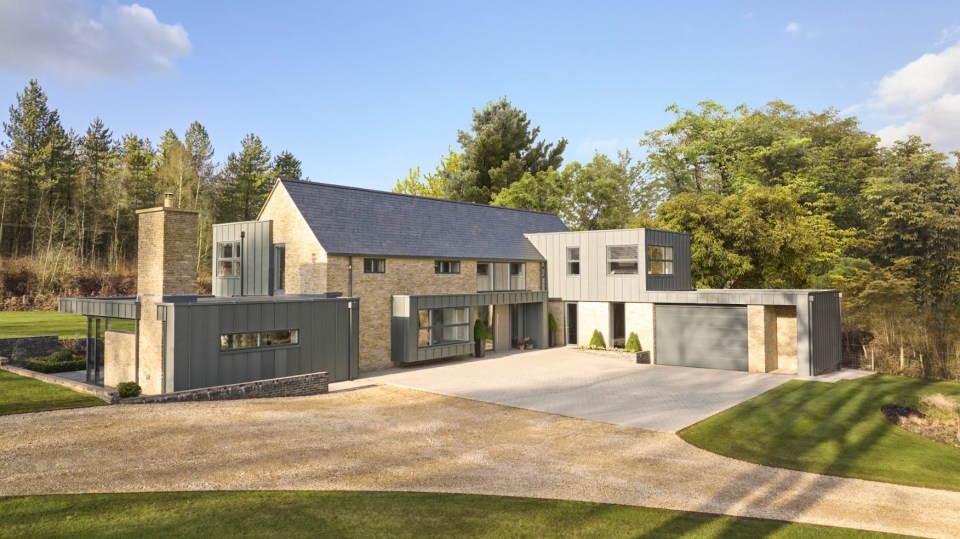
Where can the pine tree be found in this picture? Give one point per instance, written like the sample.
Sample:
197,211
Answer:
245,181
286,166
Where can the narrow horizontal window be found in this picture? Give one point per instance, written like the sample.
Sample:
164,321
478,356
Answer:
659,260
374,265
446,266
262,339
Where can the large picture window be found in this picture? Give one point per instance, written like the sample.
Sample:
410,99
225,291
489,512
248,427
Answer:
262,339
622,260
573,261
228,259
659,260
443,326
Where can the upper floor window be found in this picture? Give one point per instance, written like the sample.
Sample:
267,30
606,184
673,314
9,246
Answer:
374,265
446,266
279,266
518,276
228,258
622,260
484,276
659,260
573,261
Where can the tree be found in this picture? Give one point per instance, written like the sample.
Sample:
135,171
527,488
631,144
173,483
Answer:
286,166
759,237
245,181
501,148
97,159
432,185
545,191
601,193
197,142
138,161
176,171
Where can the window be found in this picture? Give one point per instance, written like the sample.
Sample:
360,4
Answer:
240,341
279,267
446,266
659,260
622,259
573,261
484,276
374,265
443,326
228,259
517,281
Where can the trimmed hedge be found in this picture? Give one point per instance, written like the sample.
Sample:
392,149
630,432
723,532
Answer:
59,361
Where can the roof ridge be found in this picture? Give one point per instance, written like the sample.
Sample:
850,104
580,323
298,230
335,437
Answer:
379,192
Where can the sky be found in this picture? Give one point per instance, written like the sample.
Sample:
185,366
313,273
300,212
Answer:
362,91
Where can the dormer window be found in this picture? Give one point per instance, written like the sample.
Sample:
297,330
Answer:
659,260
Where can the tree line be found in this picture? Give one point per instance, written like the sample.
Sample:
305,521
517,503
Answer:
67,199
773,197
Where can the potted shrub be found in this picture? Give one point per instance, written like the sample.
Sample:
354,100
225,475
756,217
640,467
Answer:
633,345
552,327
479,339
528,343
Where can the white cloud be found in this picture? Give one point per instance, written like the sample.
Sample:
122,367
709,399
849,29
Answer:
63,38
792,28
922,98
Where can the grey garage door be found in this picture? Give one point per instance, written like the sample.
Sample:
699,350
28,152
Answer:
710,336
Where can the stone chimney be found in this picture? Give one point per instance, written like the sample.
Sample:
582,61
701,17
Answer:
166,266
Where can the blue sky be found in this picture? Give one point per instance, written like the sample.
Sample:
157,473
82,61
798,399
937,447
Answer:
360,91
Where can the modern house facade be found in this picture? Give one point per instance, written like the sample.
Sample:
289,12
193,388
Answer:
288,289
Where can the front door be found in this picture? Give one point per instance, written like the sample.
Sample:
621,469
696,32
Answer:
501,328
571,328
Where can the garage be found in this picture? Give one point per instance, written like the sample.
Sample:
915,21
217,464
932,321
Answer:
708,336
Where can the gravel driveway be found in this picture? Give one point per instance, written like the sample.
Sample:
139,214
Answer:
386,438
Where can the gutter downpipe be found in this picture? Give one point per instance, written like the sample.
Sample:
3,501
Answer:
243,238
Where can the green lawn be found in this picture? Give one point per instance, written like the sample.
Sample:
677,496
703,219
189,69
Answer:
66,326
364,514
20,395
835,429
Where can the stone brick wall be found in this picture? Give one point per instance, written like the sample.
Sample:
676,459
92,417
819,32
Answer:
761,338
306,261
558,310
19,348
640,318
786,338
592,315
403,276
166,265
118,361
291,386
532,275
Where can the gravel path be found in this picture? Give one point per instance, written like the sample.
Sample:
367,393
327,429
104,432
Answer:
385,438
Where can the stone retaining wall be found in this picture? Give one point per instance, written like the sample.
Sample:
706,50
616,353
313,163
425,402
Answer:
19,348
290,386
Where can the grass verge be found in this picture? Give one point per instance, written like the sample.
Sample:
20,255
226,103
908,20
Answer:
835,429
365,514
32,324
19,395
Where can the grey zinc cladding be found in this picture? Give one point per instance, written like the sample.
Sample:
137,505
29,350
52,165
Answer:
353,221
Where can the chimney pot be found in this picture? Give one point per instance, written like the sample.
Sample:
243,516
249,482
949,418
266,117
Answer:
168,200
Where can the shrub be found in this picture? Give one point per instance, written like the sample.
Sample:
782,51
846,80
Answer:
480,331
128,389
633,343
552,323
939,406
39,364
597,340
61,356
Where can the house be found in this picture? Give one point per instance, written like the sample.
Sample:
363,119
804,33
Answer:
343,279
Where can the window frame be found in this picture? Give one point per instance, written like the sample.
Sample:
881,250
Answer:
433,326
374,265
571,261
446,267
635,260
279,267
259,342
667,262
233,260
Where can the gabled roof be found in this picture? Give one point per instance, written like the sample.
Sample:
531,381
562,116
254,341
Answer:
355,221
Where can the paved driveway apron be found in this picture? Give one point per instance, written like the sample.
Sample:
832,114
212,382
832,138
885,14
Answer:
579,384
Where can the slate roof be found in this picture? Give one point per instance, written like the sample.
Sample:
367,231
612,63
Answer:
355,221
